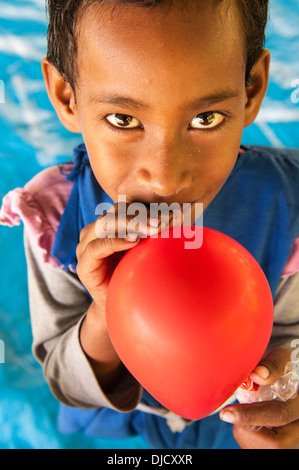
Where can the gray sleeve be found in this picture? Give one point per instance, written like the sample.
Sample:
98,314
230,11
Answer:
286,313
58,304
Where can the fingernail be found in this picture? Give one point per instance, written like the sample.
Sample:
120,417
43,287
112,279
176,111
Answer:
262,371
132,237
228,416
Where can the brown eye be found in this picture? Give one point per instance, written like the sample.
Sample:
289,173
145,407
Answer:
206,120
123,121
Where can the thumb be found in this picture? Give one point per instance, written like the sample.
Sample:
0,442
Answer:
271,367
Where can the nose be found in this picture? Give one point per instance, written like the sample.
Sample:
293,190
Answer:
165,169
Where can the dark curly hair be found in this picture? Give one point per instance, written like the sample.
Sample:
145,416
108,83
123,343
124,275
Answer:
63,18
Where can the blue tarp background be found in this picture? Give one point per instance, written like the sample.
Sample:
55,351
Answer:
33,138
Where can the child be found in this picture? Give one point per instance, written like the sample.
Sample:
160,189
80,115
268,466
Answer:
161,92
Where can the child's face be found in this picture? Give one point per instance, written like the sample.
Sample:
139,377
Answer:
161,100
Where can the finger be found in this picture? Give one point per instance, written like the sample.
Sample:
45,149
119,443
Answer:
171,217
271,367
97,264
186,215
85,232
117,223
103,228
96,251
285,437
271,413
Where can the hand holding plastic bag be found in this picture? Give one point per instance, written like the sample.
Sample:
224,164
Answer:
285,388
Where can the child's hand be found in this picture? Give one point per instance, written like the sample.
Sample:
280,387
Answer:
100,249
266,425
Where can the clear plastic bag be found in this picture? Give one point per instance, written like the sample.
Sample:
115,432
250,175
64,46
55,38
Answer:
283,389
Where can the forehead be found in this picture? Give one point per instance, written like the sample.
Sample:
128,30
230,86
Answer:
186,43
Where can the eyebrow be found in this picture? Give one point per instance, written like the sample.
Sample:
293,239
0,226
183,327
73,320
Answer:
212,99
122,101
119,101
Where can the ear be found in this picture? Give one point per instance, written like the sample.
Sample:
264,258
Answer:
61,96
257,91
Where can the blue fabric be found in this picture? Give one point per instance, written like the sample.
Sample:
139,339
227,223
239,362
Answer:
208,433
259,207
86,194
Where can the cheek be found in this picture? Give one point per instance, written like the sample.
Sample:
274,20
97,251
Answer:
110,166
216,163
215,175
106,157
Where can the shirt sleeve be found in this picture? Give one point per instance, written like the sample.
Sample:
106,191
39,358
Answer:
286,313
58,304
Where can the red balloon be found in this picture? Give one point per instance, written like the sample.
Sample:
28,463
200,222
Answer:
189,324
